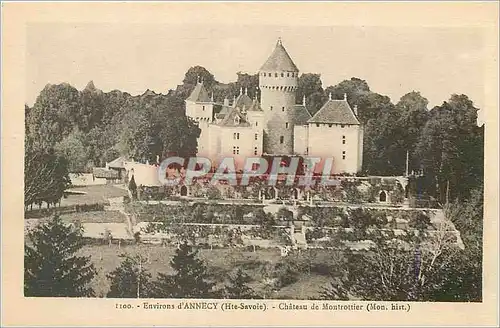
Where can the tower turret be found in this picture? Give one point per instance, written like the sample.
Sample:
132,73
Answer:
278,84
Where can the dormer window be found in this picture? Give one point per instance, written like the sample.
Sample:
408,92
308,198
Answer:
237,120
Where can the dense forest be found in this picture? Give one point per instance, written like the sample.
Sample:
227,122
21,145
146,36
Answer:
68,130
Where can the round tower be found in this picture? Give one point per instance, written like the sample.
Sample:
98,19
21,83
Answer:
278,84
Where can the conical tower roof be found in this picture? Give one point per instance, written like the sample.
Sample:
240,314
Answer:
279,60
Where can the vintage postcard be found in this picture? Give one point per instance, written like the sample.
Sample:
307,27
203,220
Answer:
250,164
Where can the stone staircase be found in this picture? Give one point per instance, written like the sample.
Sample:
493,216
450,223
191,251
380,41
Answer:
299,239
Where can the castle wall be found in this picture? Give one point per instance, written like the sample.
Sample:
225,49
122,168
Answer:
300,139
326,140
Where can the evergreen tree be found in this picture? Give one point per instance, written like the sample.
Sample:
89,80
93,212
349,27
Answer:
238,288
130,279
132,186
51,267
191,279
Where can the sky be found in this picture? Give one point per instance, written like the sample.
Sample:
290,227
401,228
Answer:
435,61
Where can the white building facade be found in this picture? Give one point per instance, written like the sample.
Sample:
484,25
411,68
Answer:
277,125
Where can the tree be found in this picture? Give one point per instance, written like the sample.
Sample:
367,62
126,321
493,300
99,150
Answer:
191,279
135,138
413,116
450,149
132,186
73,149
51,266
310,86
264,219
53,116
46,176
91,108
463,280
237,287
130,279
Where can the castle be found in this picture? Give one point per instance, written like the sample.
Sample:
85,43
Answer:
277,125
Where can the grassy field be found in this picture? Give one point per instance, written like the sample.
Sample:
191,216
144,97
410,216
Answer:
94,194
220,263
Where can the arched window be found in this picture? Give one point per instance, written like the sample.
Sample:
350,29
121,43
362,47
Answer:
282,139
383,196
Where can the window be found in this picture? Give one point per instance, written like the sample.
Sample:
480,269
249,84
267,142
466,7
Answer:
203,108
288,74
282,109
264,74
255,151
234,150
342,126
256,136
282,139
317,125
271,107
238,150
343,140
343,154
282,75
256,123
286,125
330,125
275,74
236,136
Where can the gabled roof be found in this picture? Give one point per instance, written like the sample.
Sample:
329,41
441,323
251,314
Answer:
229,119
100,172
199,94
335,111
243,101
300,115
117,163
223,112
279,60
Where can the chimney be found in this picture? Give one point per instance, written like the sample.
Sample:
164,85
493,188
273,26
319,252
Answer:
330,96
304,100
212,98
345,96
226,101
